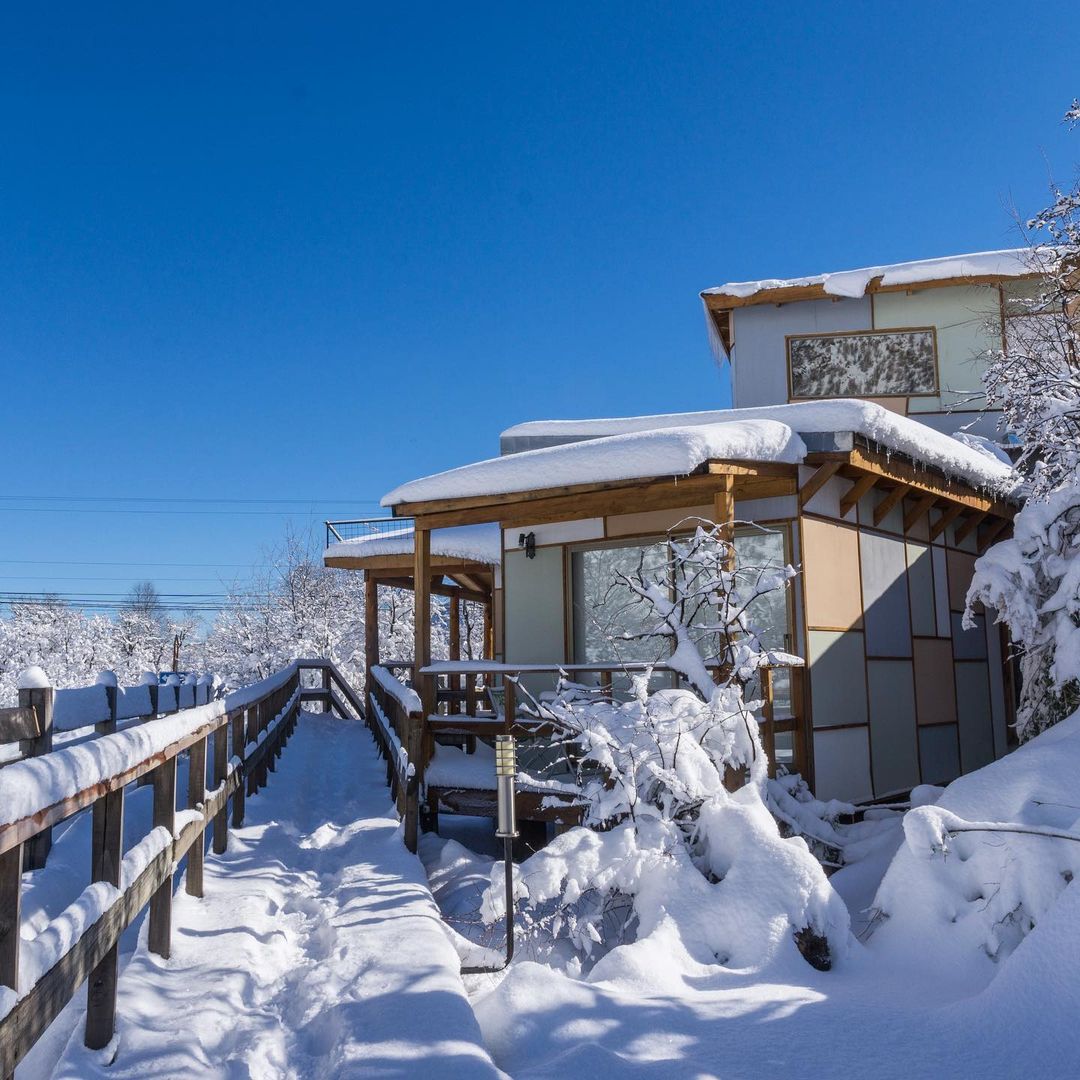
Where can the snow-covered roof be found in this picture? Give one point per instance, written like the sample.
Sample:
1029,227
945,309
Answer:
473,543
1011,262
675,444
674,450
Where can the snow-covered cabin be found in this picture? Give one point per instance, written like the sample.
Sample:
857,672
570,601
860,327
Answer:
838,446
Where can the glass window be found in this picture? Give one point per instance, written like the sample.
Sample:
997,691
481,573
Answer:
609,618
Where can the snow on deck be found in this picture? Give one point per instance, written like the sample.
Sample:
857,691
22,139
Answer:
317,950
473,543
1011,262
671,451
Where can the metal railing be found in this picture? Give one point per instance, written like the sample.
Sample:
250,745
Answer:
360,528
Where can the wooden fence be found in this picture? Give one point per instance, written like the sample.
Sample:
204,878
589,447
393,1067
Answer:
241,736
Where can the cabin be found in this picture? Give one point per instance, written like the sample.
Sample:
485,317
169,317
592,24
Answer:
838,457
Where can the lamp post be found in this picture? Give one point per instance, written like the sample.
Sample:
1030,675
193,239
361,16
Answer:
506,828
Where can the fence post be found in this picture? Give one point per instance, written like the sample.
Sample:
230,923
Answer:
196,797
150,681
10,915
108,680
238,752
160,933
221,771
414,748
35,692
105,859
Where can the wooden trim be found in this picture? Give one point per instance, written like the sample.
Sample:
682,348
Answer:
663,493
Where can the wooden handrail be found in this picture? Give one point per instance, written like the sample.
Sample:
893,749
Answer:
257,723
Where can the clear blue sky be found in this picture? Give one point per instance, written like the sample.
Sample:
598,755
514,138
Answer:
308,251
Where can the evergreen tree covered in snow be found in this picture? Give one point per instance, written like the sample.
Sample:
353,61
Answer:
1033,580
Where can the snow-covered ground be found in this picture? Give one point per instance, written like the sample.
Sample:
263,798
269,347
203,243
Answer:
316,952
916,996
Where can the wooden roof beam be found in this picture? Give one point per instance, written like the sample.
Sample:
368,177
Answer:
918,511
992,532
824,473
970,525
862,486
948,516
890,500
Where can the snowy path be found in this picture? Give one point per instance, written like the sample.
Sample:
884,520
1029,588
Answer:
316,952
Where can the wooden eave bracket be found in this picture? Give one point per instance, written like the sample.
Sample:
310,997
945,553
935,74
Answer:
822,475
948,516
892,499
862,486
918,512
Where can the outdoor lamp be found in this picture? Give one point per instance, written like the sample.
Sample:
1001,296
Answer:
505,774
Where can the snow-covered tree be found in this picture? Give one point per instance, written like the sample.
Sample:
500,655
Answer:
1033,579
678,826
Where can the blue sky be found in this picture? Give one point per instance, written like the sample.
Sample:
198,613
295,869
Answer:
305,252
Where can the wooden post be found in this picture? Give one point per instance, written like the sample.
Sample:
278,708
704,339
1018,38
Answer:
221,771
238,739
39,698
371,625
159,934
768,728
424,684
456,705
489,632
105,859
10,915
195,798
509,703
107,679
724,511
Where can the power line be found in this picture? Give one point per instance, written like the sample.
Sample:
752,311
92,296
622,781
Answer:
140,510
120,562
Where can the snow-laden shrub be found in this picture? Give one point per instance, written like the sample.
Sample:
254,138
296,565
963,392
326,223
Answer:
986,863
678,780
1033,581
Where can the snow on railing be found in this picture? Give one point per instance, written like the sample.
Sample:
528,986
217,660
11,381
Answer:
38,793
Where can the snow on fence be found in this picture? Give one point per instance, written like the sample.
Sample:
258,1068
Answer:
396,720
246,732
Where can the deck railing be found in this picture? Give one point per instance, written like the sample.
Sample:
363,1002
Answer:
245,734
358,528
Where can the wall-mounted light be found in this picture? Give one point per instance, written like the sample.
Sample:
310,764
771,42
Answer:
528,542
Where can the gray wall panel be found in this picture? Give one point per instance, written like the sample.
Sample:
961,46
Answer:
837,678
939,754
893,738
921,589
885,596
973,714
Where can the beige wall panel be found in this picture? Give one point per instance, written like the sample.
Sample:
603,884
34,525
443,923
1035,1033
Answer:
893,404
831,588
935,693
960,315
654,522
961,569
